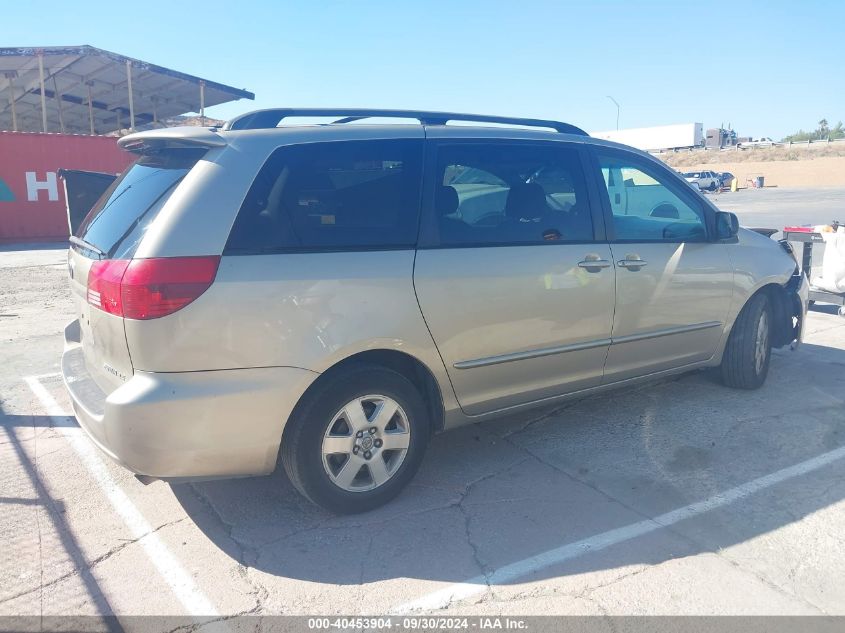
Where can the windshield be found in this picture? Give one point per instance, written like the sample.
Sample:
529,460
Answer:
117,222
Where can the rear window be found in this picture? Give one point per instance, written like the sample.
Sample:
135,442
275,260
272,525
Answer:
346,195
117,222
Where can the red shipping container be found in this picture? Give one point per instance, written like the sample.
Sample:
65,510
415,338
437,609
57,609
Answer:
32,199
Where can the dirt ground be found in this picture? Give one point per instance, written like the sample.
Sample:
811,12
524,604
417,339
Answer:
781,167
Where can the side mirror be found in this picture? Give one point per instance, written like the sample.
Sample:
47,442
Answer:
727,225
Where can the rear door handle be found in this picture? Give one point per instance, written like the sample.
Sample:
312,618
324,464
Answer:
594,265
632,264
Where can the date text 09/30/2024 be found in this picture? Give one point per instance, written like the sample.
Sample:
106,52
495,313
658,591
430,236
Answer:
418,623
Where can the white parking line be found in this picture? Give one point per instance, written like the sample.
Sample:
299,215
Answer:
509,573
180,581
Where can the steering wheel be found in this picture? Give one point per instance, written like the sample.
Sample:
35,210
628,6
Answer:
556,205
665,210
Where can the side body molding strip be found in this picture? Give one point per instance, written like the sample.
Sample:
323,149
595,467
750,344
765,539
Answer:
562,349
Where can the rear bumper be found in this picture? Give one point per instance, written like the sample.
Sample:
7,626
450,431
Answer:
225,423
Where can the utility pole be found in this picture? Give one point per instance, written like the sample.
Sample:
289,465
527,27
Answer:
617,110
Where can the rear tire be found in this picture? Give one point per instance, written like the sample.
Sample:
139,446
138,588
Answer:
335,448
745,363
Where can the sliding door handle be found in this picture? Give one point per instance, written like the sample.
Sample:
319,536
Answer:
632,264
594,265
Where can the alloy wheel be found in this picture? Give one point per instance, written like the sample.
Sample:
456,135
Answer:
365,443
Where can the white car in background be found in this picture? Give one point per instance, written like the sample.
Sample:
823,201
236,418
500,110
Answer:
706,180
763,141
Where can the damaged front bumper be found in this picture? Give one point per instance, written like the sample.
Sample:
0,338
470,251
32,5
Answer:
798,291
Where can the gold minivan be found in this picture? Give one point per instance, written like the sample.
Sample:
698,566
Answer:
334,293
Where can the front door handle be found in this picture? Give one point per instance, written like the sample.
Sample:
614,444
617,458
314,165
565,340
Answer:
594,265
632,263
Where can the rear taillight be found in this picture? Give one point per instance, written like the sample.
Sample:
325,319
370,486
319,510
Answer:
104,279
149,288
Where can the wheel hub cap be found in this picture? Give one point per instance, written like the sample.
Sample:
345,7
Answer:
365,443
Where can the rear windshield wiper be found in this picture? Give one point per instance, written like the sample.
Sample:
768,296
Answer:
88,245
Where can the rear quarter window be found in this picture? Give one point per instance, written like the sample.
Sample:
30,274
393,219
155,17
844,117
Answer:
120,218
346,195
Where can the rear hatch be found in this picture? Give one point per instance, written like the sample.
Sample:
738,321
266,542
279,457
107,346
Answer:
102,248
82,190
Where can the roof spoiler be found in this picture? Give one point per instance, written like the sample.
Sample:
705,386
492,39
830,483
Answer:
185,136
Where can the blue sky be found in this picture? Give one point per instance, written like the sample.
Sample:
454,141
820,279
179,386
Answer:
766,67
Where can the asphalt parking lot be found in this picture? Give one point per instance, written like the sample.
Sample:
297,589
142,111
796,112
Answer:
680,497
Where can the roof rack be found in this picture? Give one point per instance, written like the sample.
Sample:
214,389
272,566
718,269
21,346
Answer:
266,119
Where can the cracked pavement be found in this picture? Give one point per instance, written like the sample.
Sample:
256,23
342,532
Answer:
487,496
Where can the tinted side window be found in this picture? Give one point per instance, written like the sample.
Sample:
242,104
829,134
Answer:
118,221
508,193
334,196
644,207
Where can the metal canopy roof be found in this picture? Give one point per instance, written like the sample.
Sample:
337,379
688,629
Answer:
87,90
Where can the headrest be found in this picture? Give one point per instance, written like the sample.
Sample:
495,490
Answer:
526,201
446,200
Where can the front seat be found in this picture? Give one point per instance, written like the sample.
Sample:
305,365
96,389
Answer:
526,202
446,201
452,228
526,212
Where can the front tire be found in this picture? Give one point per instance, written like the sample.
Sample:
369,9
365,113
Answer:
745,363
356,439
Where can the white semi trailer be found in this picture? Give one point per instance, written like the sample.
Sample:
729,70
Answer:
678,136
